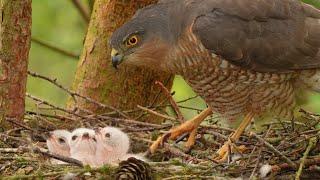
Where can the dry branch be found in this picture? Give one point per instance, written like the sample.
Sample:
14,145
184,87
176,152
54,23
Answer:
54,48
156,113
172,102
74,94
272,148
82,10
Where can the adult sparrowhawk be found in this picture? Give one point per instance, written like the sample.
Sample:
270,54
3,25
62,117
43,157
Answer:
245,58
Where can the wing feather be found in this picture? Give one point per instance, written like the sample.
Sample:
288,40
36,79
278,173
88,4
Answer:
262,35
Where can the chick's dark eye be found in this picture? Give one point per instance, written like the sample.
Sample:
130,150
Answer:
61,141
74,137
107,135
133,40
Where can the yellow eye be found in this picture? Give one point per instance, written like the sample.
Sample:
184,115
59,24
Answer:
133,40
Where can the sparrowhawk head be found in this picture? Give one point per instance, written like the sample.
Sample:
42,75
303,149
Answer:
144,40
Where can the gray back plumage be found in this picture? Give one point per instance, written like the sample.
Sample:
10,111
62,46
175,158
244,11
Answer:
264,35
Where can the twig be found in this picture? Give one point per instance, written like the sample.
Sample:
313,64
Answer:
53,106
73,94
177,152
114,120
172,101
4,137
56,49
309,113
273,149
63,118
82,10
129,129
190,108
9,150
206,131
256,166
305,139
32,176
13,120
156,113
59,173
158,106
286,166
188,99
217,127
38,150
173,150
154,101
311,144
57,156
192,177
130,121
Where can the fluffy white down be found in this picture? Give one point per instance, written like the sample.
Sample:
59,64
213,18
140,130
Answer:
83,148
265,170
55,146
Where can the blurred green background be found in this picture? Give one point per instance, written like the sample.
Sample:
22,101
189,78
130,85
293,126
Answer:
58,22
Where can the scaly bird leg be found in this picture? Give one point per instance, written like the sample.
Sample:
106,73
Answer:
223,152
188,126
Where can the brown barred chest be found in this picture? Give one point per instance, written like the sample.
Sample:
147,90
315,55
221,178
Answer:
228,89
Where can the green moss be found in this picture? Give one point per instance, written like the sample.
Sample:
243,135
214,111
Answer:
105,169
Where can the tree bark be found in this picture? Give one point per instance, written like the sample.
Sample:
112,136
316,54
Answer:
15,35
124,88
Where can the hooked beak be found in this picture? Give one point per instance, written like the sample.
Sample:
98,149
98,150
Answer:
116,58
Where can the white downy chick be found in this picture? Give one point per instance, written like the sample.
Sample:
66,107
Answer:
58,143
83,145
112,145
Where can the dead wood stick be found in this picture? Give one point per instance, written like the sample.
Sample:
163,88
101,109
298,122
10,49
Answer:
56,156
54,48
38,151
82,10
74,94
311,144
286,166
156,113
53,106
9,150
14,121
172,101
272,148
173,150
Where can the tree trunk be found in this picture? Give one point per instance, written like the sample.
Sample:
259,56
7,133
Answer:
124,88
15,35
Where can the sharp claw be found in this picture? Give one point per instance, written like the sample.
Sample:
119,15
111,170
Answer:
165,138
224,153
181,137
188,150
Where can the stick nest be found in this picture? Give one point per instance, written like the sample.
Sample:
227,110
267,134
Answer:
290,148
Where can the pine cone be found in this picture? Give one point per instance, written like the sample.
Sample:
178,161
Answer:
133,169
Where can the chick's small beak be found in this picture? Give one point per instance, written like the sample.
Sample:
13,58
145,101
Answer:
116,58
